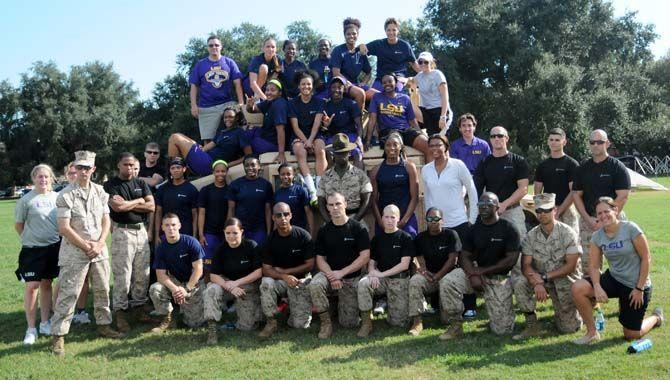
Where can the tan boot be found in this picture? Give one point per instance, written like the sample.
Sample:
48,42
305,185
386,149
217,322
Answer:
106,331
122,322
212,335
454,331
141,314
532,328
269,329
417,326
58,345
366,324
326,329
165,324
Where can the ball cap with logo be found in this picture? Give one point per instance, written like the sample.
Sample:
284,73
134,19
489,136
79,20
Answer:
177,161
84,158
545,201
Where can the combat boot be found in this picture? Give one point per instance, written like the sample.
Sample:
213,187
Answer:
106,331
532,328
269,329
58,345
454,331
165,324
212,335
122,322
366,324
141,315
326,329
417,326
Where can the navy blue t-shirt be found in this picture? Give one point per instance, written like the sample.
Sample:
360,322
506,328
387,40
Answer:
393,186
230,144
305,112
215,202
275,112
344,113
296,197
177,258
179,200
290,69
350,64
250,197
319,65
391,58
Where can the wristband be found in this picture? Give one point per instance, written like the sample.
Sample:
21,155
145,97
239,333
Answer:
642,290
443,117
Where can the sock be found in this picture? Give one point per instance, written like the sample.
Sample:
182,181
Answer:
309,182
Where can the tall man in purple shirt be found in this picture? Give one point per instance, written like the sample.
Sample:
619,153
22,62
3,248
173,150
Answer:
469,148
212,80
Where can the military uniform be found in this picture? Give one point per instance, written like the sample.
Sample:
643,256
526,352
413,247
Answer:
191,309
351,184
347,298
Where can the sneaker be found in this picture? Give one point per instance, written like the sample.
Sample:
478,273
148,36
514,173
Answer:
659,313
31,336
313,200
428,308
45,328
81,318
470,314
231,309
380,308
587,339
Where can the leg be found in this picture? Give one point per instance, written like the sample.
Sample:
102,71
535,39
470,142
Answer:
498,296
72,278
213,302
585,233
248,307
262,75
525,296
83,296
366,293
347,303
121,266
30,302
582,294
418,286
140,277
300,304
46,295
179,145
452,287
318,291
161,297
320,157
100,286
398,301
421,144
301,155
193,308
565,313
270,290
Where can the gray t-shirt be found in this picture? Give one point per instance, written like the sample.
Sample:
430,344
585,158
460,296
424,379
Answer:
37,212
624,262
429,88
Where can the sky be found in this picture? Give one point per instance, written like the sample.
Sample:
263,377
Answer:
143,38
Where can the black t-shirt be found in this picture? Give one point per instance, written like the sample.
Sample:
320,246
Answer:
146,172
436,249
600,180
181,200
556,175
235,263
341,245
215,202
489,243
388,249
288,251
499,174
129,190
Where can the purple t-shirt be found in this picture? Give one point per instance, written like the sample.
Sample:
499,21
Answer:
392,113
472,154
215,80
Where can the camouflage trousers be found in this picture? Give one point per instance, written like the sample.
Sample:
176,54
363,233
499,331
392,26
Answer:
571,218
130,266
497,295
347,298
72,277
419,286
518,219
191,310
565,313
299,300
247,307
397,297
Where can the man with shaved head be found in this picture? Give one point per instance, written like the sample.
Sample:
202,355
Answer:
288,258
599,176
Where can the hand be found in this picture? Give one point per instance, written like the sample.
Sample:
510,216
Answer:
95,249
363,49
402,223
250,103
195,111
429,276
502,207
157,177
540,293
326,120
117,200
203,241
476,283
536,279
359,143
337,284
594,223
600,294
150,238
309,144
636,298
442,124
281,158
291,281
374,282
238,292
335,275
179,295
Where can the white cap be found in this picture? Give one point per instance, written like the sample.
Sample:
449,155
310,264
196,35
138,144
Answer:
427,56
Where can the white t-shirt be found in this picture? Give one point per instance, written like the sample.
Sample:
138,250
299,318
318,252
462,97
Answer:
445,191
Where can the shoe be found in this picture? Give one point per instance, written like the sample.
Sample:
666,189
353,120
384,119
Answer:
231,309
106,331
122,322
269,329
380,308
81,318
453,332
45,327
326,329
470,314
417,326
428,308
283,305
532,329
366,324
587,339
31,336
212,336
659,313
313,200
165,324
142,316
58,345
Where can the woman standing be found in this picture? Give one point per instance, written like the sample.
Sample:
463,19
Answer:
395,181
36,224
434,94
296,197
626,249
292,66
250,200
212,213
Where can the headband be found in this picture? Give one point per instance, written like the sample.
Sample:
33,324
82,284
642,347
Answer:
217,162
276,83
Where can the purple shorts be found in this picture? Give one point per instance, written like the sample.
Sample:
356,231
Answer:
365,87
323,94
258,236
377,85
199,161
412,227
352,138
259,145
213,241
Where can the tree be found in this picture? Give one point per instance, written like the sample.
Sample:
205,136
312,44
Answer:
307,38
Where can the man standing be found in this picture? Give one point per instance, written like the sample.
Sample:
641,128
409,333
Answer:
600,176
346,179
179,270
130,202
342,250
288,258
83,221
493,244
211,89
469,148
180,197
551,252
151,171
555,175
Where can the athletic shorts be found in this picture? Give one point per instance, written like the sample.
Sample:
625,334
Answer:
628,317
38,263
260,145
408,136
213,241
199,161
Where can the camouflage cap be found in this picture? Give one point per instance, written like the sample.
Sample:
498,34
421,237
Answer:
84,158
545,201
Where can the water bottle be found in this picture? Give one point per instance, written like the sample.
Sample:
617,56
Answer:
600,320
639,346
326,72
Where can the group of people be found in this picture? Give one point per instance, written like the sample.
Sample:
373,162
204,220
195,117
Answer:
246,245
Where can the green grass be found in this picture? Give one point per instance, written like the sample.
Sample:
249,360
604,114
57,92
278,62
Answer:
390,353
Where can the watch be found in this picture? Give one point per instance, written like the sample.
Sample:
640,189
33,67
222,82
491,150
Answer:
544,277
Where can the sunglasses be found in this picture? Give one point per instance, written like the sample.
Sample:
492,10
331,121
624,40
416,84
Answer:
433,219
151,152
284,214
422,62
543,210
498,136
82,167
596,142
213,45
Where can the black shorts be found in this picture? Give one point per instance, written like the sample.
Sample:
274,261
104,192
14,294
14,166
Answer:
408,135
38,263
628,317
431,119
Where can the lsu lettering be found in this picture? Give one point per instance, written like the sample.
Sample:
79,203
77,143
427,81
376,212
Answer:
391,109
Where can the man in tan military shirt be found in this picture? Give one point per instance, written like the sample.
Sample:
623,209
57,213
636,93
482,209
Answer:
551,253
83,221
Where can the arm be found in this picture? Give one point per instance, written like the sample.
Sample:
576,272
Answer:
209,146
164,279
315,127
375,196
466,180
270,271
194,216
231,209
362,259
201,226
365,203
447,267
507,262
413,193
323,210
268,218
196,274
118,204
238,91
372,124
444,104
567,268
253,77
567,202
538,186
621,198
520,192
65,230
296,129
577,198
250,278
193,94
281,143
247,152
18,227
402,266
154,180
309,215
158,217
148,206
322,264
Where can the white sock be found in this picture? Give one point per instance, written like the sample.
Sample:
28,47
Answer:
309,182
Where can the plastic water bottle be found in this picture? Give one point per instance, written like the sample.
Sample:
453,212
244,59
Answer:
639,346
326,72
600,320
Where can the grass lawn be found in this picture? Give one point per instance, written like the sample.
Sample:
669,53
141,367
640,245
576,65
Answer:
389,353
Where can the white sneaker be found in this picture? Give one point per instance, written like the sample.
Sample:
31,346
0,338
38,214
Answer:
31,336
81,318
380,308
45,328
428,308
231,309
